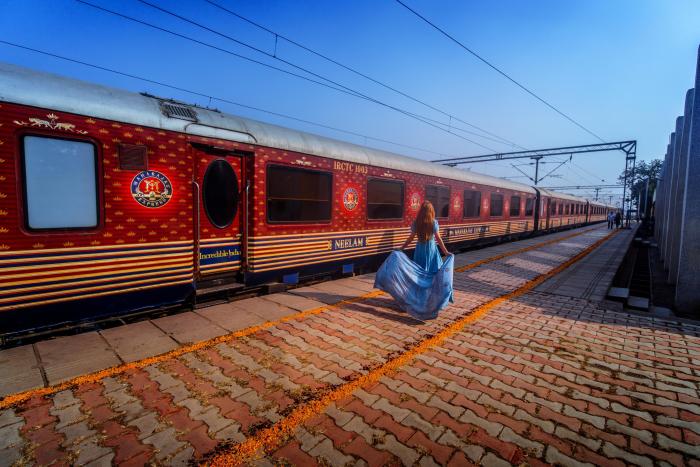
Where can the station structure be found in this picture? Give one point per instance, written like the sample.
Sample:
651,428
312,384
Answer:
677,206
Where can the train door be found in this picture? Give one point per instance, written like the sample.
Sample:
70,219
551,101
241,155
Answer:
548,212
219,231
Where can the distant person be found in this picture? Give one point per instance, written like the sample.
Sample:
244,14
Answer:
618,220
421,287
611,220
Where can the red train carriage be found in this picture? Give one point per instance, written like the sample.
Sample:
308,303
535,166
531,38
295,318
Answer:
112,202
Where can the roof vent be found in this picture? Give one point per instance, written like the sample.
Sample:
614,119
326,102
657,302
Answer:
182,112
133,157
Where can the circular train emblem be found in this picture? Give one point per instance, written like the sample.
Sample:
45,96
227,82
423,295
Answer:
350,199
456,204
415,201
151,189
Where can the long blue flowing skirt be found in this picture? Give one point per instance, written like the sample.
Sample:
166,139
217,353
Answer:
421,293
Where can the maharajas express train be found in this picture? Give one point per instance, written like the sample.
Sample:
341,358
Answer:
112,202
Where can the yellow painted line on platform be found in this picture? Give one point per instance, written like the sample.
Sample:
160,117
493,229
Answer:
267,440
17,398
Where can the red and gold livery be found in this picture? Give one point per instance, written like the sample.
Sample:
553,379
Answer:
112,202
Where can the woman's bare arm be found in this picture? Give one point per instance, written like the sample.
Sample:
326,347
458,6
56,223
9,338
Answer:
408,240
440,243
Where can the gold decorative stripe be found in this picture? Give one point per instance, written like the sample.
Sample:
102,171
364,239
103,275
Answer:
106,255
209,245
160,274
92,248
261,242
303,262
91,268
93,295
265,238
221,239
89,289
38,282
232,266
69,266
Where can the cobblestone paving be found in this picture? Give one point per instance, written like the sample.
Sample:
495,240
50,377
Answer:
540,379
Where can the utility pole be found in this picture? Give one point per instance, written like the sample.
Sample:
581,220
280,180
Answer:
596,193
537,167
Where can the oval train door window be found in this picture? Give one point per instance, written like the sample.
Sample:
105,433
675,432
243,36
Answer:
220,193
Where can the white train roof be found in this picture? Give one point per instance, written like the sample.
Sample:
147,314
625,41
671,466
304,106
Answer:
556,194
30,87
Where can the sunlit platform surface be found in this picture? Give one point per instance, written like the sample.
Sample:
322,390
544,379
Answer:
529,365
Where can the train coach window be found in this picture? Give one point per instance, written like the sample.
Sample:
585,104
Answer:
384,199
561,209
496,205
515,206
298,195
60,183
440,197
220,193
529,207
553,208
472,203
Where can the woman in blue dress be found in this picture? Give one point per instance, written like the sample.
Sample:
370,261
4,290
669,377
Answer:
421,287
427,229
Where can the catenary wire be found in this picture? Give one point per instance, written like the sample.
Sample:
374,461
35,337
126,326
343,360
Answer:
210,97
499,71
357,72
446,127
337,87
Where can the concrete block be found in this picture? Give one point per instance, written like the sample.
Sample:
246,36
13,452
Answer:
679,195
618,293
189,327
668,202
19,370
638,303
688,281
230,317
138,340
267,310
70,356
668,183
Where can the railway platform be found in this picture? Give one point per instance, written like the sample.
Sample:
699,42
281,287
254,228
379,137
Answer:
529,365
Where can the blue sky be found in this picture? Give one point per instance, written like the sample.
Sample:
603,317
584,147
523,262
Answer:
620,67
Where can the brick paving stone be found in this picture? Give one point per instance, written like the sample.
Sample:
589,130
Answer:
542,378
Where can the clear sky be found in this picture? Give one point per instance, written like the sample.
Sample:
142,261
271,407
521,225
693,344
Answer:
619,67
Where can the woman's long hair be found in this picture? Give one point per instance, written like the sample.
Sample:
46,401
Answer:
424,221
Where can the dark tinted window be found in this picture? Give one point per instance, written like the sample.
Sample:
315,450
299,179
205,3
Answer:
514,206
561,208
440,197
298,195
496,205
472,203
60,183
384,199
220,193
529,206
553,207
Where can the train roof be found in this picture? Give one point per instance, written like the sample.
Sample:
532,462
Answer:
556,194
40,89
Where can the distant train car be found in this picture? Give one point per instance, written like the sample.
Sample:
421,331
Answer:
112,202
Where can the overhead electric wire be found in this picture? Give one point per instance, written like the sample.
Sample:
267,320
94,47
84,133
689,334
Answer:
447,128
210,97
499,71
340,88
359,73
